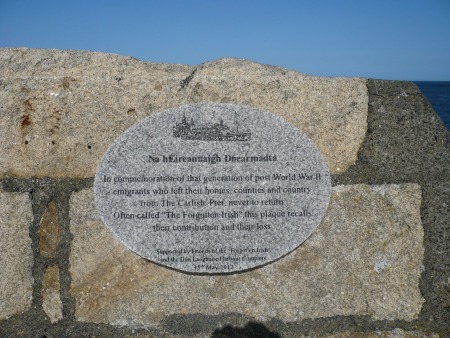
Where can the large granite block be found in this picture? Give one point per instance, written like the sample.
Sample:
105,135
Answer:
364,259
61,110
16,258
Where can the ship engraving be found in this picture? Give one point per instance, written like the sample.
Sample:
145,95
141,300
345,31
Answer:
189,130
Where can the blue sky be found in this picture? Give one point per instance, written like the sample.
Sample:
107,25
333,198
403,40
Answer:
385,39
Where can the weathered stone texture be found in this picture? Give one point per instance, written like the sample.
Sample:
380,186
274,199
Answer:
16,258
49,231
331,111
51,301
364,259
406,141
62,109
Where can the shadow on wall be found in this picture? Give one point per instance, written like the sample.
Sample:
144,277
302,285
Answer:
251,330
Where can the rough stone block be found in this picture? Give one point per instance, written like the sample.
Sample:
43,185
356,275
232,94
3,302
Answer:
62,109
406,141
16,258
331,111
364,259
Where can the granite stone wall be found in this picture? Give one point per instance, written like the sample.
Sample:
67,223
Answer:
377,266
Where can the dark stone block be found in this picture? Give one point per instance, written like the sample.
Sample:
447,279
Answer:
406,141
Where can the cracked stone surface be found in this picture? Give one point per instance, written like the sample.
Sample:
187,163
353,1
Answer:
61,110
16,259
364,259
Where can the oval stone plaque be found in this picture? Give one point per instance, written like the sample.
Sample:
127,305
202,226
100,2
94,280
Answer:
212,188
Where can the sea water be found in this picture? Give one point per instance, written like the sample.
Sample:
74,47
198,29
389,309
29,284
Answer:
438,93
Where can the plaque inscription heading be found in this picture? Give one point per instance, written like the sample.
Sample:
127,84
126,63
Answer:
212,188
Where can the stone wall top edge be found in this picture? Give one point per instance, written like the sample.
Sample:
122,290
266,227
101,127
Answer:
126,61
37,51
385,87
81,53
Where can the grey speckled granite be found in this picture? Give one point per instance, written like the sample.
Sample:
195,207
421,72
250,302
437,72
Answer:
212,188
